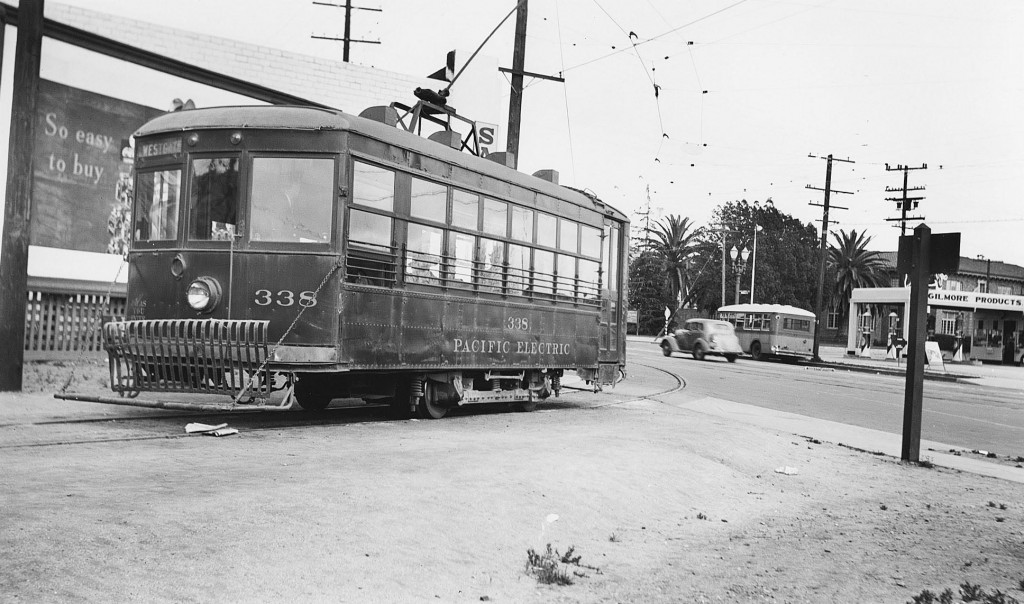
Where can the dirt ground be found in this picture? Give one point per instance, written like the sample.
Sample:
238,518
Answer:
661,504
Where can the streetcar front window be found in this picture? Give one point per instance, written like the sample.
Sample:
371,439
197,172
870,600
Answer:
213,203
292,199
156,205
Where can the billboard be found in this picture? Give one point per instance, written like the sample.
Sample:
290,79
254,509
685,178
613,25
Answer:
81,149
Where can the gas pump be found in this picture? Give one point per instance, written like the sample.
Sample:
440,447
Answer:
894,324
866,328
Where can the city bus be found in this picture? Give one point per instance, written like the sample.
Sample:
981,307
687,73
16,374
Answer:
772,330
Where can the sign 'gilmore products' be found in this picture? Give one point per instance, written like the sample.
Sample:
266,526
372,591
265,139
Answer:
975,300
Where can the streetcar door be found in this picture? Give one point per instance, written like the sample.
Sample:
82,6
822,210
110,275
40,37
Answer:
611,307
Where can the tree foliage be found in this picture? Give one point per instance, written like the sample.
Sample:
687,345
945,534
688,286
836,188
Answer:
853,265
786,263
674,243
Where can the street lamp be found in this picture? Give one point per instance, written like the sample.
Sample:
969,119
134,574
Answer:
739,258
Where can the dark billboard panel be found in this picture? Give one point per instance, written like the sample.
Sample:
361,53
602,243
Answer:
80,138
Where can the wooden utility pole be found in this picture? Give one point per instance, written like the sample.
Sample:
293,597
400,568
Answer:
347,39
515,101
819,312
18,205
904,203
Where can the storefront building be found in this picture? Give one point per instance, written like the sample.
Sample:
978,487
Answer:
973,326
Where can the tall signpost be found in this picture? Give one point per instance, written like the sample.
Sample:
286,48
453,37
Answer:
920,255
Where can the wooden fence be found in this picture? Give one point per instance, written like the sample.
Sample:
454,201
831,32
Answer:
63,318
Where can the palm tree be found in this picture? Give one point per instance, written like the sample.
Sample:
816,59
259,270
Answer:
674,242
854,266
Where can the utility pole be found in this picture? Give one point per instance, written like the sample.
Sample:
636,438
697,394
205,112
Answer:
818,310
515,101
18,206
903,203
347,39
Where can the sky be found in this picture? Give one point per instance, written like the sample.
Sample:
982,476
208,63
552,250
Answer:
678,107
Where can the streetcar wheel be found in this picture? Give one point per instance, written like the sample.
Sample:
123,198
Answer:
731,358
755,351
666,348
525,407
311,395
698,352
428,408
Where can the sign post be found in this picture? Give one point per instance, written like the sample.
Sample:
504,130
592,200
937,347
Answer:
920,255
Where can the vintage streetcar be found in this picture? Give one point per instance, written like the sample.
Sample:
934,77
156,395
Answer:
323,255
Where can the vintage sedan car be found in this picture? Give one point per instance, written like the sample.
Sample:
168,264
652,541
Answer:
702,337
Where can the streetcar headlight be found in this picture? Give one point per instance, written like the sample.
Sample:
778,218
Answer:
203,294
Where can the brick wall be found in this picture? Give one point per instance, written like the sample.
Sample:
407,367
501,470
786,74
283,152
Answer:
345,86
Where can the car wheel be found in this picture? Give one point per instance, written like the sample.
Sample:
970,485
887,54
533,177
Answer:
666,348
755,351
731,358
698,352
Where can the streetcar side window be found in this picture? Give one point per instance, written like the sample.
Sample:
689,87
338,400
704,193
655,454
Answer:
460,251
518,269
423,254
588,282
492,260
547,229
495,217
590,242
373,187
369,230
465,209
429,200
568,235
292,199
522,224
156,205
542,278
566,282
213,199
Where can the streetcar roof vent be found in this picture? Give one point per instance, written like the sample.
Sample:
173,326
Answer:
548,175
504,158
448,138
381,113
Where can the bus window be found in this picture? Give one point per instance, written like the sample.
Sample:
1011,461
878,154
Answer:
518,269
429,200
156,205
373,187
522,224
495,217
492,260
461,253
292,199
213,203
423,262
465,209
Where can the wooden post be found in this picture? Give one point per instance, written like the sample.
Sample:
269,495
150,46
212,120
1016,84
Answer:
18,205
919,273
515,101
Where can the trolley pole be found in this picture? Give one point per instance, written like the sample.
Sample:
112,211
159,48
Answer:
18,205
818,310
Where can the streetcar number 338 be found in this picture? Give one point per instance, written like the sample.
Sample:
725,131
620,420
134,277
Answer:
518,323
285,297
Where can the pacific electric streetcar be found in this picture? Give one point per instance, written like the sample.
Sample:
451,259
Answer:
323,255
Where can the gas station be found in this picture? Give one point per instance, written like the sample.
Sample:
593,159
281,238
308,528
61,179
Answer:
988,327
